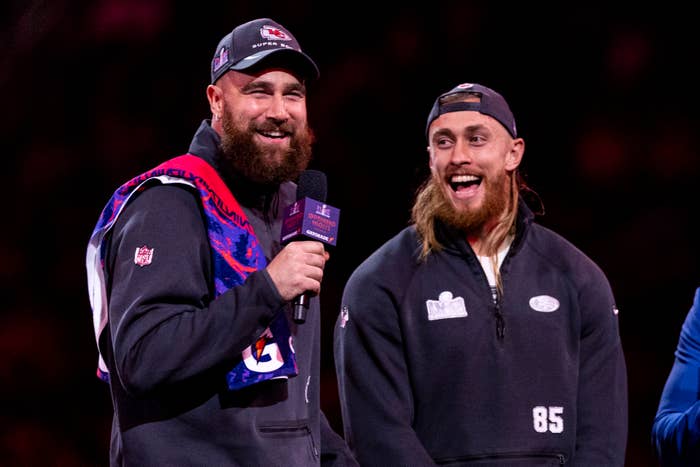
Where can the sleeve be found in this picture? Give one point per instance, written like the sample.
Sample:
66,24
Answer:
676,427
601,428
166,326
374,387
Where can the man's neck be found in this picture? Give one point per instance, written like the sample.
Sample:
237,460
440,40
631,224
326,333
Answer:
479,240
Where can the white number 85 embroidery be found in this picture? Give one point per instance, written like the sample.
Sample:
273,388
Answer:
548,419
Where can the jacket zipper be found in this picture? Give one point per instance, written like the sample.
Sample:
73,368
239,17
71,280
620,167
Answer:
511,455
500,321
496,300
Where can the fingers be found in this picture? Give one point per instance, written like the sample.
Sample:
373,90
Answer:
298,268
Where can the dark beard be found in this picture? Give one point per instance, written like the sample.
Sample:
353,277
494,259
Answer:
469,221
242,156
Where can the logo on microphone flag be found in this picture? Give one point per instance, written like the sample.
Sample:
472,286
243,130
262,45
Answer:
312,219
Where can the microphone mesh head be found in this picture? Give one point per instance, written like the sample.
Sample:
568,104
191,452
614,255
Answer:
312,184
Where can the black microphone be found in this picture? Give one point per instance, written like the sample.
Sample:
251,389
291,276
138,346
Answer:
312,184
309,218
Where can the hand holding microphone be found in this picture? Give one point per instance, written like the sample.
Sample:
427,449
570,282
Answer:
309,218
298,269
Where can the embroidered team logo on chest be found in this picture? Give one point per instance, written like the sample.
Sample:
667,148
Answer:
446,307
544,303
143,256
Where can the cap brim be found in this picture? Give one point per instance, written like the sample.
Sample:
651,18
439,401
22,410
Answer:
290,59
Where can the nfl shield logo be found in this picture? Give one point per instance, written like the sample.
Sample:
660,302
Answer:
344,316
143,256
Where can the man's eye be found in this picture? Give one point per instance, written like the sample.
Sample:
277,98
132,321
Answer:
256,91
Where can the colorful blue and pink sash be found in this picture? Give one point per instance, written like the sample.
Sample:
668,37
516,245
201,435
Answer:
235,252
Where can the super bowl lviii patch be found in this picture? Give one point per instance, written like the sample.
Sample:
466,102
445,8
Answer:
446,307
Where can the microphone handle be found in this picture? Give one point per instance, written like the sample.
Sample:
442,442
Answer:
301,306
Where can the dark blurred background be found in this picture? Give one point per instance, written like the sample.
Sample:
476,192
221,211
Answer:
95,92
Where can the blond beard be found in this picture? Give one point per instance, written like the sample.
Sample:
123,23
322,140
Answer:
433,204
469,221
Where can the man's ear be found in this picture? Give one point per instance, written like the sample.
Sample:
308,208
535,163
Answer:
215,96
515,154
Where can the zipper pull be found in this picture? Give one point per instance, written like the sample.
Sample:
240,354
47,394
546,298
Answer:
500,321
500,324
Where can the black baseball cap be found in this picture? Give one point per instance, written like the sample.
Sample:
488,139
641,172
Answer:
491,104
261,42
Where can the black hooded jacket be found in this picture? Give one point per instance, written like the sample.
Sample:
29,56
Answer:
169,344
432,371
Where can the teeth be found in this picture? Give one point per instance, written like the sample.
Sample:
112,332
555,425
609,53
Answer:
464,178
273,134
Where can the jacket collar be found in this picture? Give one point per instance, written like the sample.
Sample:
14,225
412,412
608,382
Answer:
454,239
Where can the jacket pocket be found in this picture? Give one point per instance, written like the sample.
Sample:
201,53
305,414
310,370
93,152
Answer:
291,431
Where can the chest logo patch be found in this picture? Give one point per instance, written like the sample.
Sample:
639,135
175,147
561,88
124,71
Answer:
544,303
446,307
143,256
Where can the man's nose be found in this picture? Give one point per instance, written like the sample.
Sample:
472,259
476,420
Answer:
462,153
277,110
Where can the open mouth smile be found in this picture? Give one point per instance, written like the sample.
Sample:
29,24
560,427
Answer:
460,183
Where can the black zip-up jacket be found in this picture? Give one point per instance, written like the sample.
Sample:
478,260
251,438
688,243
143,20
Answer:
432,371
169,344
